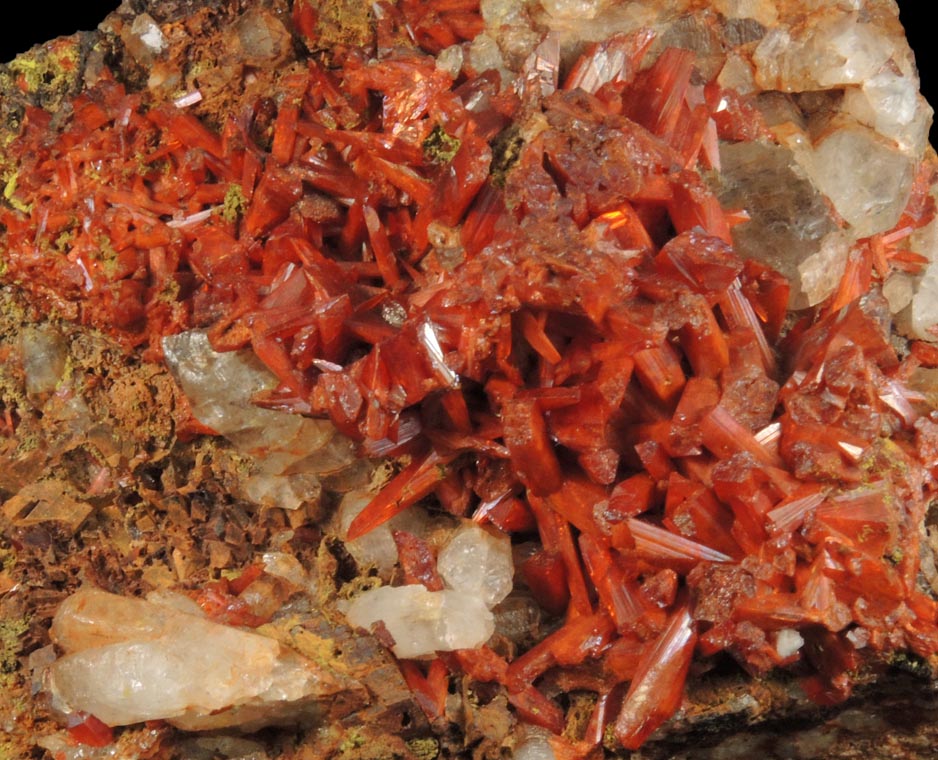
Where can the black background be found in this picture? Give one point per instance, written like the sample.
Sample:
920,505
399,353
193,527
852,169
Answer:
29,22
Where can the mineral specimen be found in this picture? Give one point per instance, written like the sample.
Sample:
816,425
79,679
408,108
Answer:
579,349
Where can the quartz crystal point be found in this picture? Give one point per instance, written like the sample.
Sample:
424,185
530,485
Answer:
376,548
478,563
127,660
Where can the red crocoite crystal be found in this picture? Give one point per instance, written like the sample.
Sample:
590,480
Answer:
570,350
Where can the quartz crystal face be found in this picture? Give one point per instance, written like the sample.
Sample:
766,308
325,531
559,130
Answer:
552,378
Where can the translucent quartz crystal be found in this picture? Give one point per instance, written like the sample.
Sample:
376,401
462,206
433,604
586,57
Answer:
128,660
869,193
923,313
890,104
148,32
572,8
763,11
422,622
478,563
287,492
925,304
535,746
789,218
221,386
288,567
376,548
838,49
44,354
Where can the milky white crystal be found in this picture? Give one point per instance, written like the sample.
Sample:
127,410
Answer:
422,622
478,562
128,660
865,177
787,642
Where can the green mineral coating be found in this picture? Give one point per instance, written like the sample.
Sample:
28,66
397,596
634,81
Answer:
610,741
9,190
506,148
911,663
64,241
107,254
235,204
439,147
10,633
352,740
424,749
51,72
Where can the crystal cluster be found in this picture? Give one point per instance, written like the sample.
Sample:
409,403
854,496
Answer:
540,257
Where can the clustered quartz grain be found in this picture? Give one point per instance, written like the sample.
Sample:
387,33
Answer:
475,565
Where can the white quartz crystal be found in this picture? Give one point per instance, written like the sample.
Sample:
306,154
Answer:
925,304
288,567
376,548
763,11
578,9
128,660
890,104
820,273
148,32
479,563
787,642
836,49
866,179
284,491
422,622
898,290
289,450
221,386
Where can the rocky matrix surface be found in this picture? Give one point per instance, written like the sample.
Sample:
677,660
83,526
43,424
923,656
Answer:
454,379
